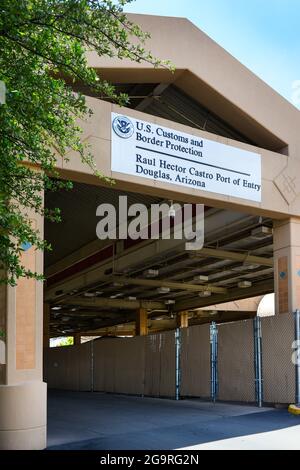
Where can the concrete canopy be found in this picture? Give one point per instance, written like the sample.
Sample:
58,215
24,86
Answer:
213,78
253,115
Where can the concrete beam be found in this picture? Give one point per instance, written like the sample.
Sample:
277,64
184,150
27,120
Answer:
172,285
233,256
123,304
261,288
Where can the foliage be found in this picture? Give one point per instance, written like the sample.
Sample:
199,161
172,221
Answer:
43,46
63,341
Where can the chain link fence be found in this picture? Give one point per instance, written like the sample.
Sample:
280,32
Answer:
247,361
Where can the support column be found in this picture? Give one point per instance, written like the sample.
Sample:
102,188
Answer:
214,361
141,322
182,320
22,390
46,332
297,362
287,265
258,361
77,339
177,363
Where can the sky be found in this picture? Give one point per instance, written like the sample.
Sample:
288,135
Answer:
262,34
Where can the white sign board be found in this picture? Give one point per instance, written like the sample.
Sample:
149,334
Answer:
156,152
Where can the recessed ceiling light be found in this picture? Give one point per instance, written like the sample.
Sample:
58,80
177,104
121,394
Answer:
116,296
58,307
250,265
151,273
261,232
118,284
244,284
201,278
163,290
205,293
170,302
89,294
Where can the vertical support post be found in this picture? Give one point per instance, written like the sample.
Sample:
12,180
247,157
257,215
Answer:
177,363
92,365
141,322
257,333
297,363
214,361
77,339
23,394
182,320
46,322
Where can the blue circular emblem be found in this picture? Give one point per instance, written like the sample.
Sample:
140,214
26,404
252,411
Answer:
26,246
282,275
123,127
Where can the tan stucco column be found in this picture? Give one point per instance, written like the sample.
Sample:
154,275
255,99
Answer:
182,320
287,265
141,322
46,332
77,339
23,394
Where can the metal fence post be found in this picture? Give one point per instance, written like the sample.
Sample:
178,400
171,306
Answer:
92,365
177,363
257,332
214,361
297,362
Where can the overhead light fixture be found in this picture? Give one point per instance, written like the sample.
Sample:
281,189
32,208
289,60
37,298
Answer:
115,296
89,294
74,309
57,307
151,273
163,290
205,293
250,266
261,232
131,298
201,278
244,284
118,284
170,302
238,269
98,292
